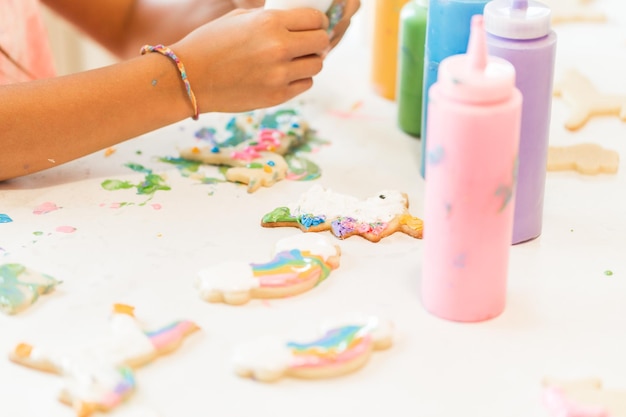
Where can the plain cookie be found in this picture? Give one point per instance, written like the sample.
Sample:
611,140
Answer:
586,158
586,101
572,11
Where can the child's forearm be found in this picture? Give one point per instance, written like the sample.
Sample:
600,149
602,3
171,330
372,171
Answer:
50,122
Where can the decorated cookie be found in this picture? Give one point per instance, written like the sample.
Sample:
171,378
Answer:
586,101
583,398
374,218
300,263
586,158
254,147
20,287
100,376
338,350
569,11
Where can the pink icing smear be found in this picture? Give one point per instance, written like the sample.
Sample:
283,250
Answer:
65,229
44,208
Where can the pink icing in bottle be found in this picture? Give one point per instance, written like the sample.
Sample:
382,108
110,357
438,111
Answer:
474,119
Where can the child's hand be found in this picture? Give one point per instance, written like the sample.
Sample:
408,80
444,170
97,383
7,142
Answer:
250,59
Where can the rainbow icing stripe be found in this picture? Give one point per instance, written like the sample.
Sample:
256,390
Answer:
338,345
171,334
124,387
291,267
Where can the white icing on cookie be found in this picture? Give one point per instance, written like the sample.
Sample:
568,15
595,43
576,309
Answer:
226,277
267,354
91,382
320,201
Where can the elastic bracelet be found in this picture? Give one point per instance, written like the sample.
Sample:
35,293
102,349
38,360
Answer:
165,51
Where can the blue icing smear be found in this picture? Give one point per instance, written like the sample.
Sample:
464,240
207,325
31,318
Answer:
4,218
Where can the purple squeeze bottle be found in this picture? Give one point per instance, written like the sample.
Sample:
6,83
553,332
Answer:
519,31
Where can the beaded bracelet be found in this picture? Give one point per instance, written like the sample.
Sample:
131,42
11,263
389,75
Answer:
165,51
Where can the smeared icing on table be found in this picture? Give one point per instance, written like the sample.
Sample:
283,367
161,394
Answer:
322,209
100,376
300,263
338,350
20,287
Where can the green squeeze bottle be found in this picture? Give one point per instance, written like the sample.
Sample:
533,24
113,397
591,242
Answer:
412,40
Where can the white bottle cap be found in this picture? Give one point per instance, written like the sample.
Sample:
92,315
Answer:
517,19
476,77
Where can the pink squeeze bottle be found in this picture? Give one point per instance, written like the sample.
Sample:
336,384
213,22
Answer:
474,118
519,31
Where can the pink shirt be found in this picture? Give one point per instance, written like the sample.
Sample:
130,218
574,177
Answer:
23,36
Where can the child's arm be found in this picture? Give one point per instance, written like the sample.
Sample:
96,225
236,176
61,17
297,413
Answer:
123,26
242,61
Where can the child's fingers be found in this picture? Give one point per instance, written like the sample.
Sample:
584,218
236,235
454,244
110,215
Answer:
302,19
305,67
308,43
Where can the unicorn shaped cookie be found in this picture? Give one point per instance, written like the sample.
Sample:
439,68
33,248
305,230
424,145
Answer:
583,398
100,376
321,209
20,287
586,101
339,349
299,264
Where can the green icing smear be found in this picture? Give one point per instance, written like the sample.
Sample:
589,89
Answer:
279,215
188,168
149,186
302,169
20,287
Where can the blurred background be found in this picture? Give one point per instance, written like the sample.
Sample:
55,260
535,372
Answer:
72,51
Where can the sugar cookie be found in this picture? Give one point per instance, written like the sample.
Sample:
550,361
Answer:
585,101
374,218
20,287
583,398
300,263
338,350
100,376
586,158
570,11
254,147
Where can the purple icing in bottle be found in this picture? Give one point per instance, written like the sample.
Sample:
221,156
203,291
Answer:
519,31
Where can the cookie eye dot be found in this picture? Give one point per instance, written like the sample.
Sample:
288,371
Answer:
382,196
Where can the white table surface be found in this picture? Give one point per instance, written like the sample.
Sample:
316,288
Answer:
564,317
